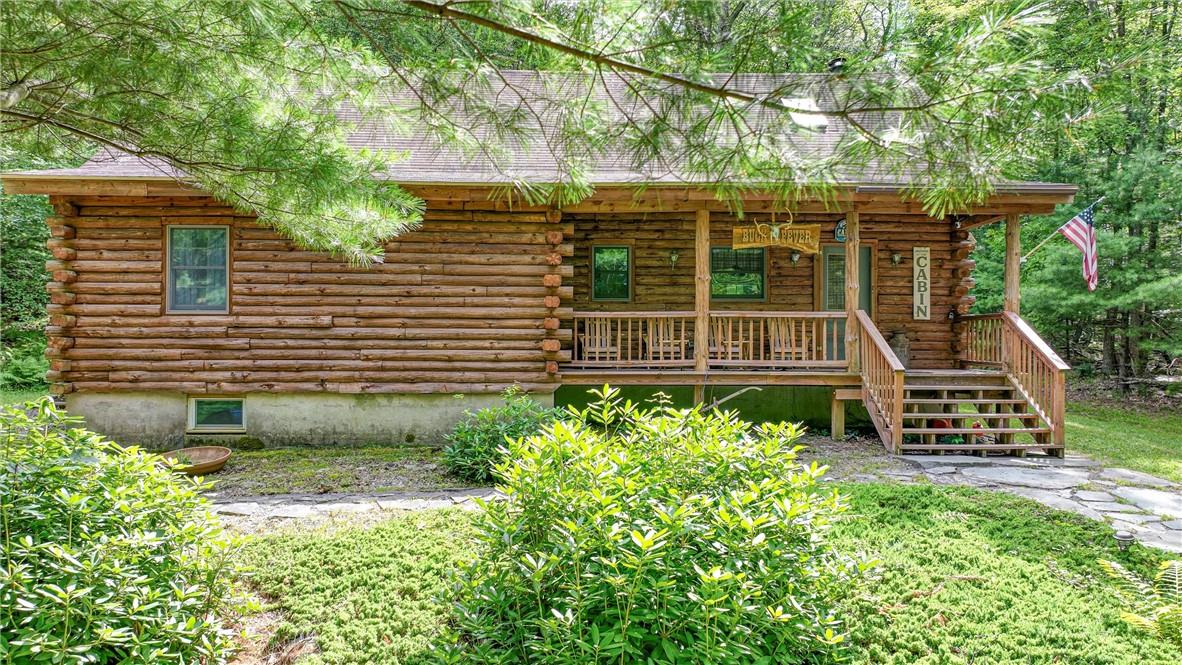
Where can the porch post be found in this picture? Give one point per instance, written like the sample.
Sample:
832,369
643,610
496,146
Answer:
701,290
852,286
1013,284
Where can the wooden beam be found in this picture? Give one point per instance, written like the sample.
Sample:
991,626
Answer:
1013,264
852,287
701,290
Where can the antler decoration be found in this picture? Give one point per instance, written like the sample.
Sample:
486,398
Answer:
773,229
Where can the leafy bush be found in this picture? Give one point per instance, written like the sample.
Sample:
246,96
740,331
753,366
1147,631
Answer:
109,557
22,359
655,536
477,443
1156,606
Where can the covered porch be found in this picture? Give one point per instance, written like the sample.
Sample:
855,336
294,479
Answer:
648,309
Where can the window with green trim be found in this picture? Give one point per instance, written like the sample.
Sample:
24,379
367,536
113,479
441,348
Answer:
611,272
738,274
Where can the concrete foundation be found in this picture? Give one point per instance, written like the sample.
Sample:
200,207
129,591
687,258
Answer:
159,420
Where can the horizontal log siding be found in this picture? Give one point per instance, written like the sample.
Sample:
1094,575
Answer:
469,302
658,286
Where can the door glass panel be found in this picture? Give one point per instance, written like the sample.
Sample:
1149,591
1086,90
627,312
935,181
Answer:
833,290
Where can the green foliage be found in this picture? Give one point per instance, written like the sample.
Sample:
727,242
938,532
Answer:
1156,606
22,257
950,127
109,557
1124,145
237,94
373,596
477,444
22,359
984,578
659,536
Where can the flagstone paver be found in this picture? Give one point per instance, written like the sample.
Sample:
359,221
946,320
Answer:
1047,479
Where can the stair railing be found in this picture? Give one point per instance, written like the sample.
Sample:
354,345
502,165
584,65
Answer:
1005,340
882,382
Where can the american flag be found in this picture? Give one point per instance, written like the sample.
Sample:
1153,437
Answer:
1081,231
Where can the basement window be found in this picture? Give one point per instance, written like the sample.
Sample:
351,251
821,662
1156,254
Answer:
216,414
198,269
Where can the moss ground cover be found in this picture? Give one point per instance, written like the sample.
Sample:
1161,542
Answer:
367,595
334,469
976,577
965,577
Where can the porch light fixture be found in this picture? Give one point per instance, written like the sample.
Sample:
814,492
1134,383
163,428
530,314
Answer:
896,258
1123,539
794,257
673,256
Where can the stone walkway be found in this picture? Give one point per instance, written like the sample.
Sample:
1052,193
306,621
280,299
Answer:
1148,507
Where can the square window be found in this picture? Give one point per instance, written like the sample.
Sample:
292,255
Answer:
737,274
611,273
218,414
198,268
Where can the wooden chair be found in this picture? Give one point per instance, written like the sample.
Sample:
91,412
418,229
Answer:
597,341
665,339
724,345
786,341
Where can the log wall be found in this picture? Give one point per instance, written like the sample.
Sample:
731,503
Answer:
470,302
658,285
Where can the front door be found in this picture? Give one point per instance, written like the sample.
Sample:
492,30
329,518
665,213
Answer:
833,288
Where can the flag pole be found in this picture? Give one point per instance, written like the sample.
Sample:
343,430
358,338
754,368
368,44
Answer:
1056,232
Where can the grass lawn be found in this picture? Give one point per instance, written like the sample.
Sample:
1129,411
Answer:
20,395
1143,441
966,577
333,469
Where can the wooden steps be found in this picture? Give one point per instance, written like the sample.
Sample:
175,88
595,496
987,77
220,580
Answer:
975,411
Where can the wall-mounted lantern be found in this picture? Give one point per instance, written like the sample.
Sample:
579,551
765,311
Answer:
674,255
896,258
794,257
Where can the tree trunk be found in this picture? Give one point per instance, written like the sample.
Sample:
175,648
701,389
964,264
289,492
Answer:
1108,358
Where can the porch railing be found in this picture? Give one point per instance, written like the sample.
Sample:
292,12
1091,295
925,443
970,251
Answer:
633,339
777,339
771,340
1006,341
882,382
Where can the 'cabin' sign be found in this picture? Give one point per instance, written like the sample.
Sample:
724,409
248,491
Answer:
921,283
802,237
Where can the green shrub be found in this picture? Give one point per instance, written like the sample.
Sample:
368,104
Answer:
109,556
22,359
477,443
653,536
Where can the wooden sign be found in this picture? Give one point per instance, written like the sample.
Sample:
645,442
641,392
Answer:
921,283
802,237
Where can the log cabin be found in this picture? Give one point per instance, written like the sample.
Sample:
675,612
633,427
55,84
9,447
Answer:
176,318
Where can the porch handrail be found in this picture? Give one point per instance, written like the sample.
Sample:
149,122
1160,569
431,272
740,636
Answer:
882,382
1005,340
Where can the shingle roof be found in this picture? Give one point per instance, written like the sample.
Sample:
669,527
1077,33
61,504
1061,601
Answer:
541,98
